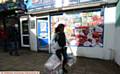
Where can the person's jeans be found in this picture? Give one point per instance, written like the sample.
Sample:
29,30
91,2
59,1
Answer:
62,52
13,47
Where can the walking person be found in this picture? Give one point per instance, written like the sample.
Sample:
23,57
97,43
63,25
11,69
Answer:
13,37
3,37
61,39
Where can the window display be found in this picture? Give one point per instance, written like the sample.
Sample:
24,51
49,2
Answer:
83,29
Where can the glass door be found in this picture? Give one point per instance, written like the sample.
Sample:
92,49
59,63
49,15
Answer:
43,33
24,27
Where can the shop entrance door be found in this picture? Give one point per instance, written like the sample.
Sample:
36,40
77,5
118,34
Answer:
24,28
43,33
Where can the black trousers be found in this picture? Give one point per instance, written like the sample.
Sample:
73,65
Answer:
3,44
14,48
60,53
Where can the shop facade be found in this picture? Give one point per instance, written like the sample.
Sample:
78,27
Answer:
90,27
10,11
117,31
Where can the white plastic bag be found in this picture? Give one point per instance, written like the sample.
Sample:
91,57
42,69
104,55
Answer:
52,63
56,71
54,44
71,59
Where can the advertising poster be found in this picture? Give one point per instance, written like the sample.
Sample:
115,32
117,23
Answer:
42,34
45,4
82,29
70,22
91,30
40,4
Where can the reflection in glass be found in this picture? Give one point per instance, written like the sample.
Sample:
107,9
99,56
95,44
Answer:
25,27
26,40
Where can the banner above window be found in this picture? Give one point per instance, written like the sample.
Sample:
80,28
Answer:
41,4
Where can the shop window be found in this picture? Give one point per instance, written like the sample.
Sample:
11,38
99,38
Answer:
25,29
26,40
32,24
83,29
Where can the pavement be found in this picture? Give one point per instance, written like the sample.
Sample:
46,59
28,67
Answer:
34,61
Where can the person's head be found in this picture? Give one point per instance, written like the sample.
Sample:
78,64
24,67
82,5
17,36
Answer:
57,30
60,28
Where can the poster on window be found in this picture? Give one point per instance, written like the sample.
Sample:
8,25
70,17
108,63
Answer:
36,1
91,30
70,22
82,29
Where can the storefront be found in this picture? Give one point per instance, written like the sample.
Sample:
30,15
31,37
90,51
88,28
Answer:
117,35
88,26
10,11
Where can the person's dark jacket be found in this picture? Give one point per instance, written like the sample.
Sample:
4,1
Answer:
13,33
61,39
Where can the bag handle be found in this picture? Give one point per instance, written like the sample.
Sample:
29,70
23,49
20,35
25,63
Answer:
70,49
69,46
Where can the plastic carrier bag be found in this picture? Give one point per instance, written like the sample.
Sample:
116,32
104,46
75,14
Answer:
52,62
56,71
54,44
53,65
71,59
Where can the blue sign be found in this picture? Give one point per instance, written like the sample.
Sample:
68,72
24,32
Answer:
43,4
42,32
31,4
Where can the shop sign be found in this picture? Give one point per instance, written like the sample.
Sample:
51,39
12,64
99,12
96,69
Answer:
41,4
